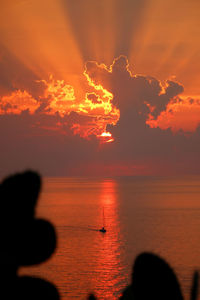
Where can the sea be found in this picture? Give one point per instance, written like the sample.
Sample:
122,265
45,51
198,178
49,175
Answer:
160,215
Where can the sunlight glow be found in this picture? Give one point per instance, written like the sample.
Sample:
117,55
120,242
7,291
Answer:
106,137
109,256
106,134
51,41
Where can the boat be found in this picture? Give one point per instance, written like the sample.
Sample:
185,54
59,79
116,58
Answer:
103,230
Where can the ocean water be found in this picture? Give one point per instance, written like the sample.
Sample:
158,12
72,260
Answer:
160,215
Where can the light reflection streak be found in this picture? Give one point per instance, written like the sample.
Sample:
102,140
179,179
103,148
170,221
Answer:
109,265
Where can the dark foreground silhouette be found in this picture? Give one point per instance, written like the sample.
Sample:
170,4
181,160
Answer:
153,278
24,240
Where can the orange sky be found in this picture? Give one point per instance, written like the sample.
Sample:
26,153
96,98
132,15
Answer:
57,57
160,38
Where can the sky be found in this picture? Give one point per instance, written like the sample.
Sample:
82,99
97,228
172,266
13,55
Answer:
100,87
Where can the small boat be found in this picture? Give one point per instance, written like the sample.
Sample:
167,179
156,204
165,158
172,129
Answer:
103,230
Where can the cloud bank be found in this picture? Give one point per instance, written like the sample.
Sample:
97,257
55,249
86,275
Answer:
43,125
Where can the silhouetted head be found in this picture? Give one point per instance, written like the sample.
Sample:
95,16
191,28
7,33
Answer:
24,239
18,196
153,278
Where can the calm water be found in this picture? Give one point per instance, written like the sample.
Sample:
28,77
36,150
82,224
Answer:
141,214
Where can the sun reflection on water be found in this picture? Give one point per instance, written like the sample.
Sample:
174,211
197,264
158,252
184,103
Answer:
109,265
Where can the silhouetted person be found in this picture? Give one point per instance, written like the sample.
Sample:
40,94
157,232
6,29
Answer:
24,240
153,278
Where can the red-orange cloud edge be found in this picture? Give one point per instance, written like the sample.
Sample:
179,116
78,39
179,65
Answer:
92,114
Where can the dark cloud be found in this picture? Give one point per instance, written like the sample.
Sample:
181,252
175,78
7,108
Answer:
133,92
53,144
55,154
94,98
30,141
135,141
45,148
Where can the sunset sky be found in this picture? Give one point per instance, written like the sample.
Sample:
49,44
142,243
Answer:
100,87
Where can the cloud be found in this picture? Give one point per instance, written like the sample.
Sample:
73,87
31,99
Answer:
180,114
132,91
17,102
21,90
140,99
59,134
